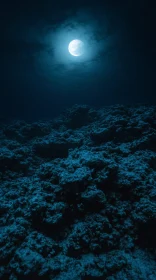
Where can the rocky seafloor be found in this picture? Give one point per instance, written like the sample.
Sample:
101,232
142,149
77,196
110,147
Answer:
78,195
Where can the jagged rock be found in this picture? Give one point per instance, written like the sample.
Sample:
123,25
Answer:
78,195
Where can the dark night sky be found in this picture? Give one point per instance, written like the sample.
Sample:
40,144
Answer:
39,77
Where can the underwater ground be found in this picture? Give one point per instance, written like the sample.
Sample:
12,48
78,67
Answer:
78,195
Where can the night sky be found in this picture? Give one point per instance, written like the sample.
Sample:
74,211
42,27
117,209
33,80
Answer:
40,78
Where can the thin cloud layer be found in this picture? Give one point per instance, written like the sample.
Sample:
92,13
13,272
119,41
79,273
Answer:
101,45
44,43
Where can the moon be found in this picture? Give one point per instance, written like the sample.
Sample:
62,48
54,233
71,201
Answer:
76,47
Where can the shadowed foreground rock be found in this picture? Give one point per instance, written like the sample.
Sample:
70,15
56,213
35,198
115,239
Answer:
78,196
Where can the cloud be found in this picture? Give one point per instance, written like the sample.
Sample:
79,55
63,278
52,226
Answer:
54,62
45,42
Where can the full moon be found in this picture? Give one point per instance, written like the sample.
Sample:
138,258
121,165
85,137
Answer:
76,47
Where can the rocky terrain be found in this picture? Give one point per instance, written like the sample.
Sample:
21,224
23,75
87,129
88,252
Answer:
78,195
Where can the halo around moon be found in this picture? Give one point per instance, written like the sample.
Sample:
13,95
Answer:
76,47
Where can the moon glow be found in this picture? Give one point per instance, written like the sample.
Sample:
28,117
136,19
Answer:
76,47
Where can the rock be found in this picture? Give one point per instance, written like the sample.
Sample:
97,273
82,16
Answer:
78,195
